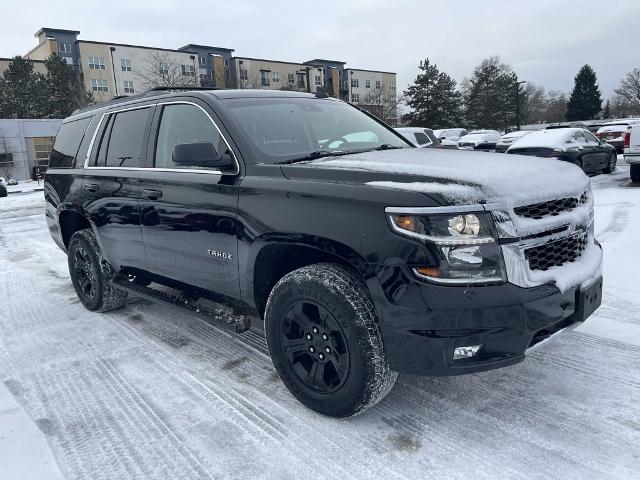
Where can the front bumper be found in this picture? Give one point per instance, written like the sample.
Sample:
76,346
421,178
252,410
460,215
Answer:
505,319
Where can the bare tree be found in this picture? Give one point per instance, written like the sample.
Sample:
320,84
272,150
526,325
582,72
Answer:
621,107
164,70
6,156
383,102
248,79
629,90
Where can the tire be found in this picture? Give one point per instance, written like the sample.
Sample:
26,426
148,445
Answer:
635,173
91,274
3,191
611,166
319,319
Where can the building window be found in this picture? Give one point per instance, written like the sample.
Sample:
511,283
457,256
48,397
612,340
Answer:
42,147
202,60
392,85
244,75
226,63
355,98
96,63
164,68
128,86
125,64
355,83
188,70
275,77
300,80
291,78
6,160
99,85
378,84
265,81
367,84
64,47
318,80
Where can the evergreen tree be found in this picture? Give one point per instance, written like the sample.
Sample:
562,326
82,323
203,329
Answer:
585,102
606,113
21,90
490,96
434,99
65,92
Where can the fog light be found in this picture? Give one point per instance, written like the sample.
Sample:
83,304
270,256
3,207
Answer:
466,352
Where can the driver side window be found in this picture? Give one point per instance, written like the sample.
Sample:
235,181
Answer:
185,125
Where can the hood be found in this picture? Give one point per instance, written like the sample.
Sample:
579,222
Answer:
457,177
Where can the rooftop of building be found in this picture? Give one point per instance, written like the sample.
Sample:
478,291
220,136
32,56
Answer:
58,30
208,47
323,60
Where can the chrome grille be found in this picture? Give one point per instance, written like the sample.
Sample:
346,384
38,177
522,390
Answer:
550,208
556,253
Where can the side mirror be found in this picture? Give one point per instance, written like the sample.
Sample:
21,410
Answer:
201,154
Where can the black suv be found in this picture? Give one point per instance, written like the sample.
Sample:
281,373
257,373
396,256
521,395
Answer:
363,255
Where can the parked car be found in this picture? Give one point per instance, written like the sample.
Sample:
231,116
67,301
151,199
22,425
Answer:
614,133
479,141
361,255
424,138
3,187
492,132
632,151
452,134
575,145
507,140
578,124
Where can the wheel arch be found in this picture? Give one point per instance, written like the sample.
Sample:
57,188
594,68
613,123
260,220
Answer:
71,221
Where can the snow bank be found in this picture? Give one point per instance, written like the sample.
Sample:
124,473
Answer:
508,180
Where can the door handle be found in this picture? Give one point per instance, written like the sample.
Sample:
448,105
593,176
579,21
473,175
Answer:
151,194
92,187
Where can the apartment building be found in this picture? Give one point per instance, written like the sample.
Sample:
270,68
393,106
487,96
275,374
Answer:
276,74
38,66
116,69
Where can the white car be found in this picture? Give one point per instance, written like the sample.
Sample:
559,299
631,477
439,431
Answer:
452,134
492,132
479,141
424,138
508,139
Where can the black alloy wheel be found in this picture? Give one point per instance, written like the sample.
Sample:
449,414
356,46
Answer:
315,346
84,275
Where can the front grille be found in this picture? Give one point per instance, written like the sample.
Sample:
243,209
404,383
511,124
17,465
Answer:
556,253
550,208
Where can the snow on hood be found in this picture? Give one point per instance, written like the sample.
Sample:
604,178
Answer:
553,138
469,177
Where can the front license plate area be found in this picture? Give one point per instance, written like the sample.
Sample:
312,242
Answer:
589,300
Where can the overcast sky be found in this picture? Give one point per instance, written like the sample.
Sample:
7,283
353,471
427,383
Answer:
546,41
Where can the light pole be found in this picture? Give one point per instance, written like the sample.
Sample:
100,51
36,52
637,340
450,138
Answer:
518,102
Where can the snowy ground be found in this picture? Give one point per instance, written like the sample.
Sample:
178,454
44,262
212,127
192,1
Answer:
143,394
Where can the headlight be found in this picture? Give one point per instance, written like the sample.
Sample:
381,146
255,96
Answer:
466,249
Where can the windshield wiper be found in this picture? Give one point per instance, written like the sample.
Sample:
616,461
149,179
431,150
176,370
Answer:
387,146
313,156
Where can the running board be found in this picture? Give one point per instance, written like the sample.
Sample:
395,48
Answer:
239,323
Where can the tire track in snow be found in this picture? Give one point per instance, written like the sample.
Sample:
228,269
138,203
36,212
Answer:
617,223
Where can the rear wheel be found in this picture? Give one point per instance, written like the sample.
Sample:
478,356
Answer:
325,341
611,166
91,274
635,173
3,191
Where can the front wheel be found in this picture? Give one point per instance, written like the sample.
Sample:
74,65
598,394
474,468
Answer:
611,166
91,274
635,173
325,341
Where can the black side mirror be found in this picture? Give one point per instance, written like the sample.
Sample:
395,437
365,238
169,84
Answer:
201,154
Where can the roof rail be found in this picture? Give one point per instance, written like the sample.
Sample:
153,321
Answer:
161,89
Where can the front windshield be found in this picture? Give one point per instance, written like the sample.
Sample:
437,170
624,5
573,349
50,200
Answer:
289,128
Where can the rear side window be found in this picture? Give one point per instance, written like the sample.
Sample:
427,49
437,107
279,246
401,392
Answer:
123,139
422,138
67,143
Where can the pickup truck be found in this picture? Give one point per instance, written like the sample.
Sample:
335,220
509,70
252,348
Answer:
632,150
361,255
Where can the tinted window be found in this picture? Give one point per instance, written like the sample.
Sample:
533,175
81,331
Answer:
126,134
421,138
185,124
67,143
429,133
283,129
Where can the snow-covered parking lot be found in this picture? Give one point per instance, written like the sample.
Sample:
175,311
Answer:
143,393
